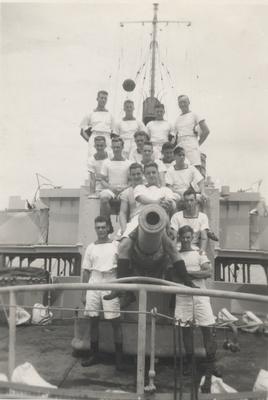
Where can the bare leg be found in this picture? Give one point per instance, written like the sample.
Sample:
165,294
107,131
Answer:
105,208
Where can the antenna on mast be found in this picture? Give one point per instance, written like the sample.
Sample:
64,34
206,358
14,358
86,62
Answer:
151,101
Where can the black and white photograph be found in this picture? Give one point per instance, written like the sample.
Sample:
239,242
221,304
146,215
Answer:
134,199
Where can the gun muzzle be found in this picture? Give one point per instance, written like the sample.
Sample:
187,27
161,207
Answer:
152,223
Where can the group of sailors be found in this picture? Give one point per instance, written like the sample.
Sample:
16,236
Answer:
130,166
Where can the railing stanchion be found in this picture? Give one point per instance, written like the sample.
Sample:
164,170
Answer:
151,386
12,333
141,341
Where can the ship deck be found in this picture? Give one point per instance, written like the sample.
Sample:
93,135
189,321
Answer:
48,349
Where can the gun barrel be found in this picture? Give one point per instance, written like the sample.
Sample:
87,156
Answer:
152,223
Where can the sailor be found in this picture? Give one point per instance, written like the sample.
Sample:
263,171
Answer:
114,179
130,258
148,158
191,216
140,137
129,207
128,126
160,130
196,309
167,155
94,164
98,122
99,265
186,128
181,176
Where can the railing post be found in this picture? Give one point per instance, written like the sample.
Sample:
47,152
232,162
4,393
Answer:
12,333
141,341
151,386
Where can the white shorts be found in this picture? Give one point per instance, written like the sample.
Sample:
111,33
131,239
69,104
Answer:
197,308
107,193
193,155
95,301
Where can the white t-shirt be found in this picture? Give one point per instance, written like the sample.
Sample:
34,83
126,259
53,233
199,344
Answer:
95,167
159,131
99,121
198,224
184,127
187,137
137,157
128,196
116,172
126,129
181,179
153,192
193,262
168,165
161,166
101,257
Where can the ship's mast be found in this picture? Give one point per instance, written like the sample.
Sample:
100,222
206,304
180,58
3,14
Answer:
149,103
153,46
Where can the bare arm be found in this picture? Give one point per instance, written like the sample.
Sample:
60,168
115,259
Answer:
143,199
85,279
204,273
204,132
201,186
92,182
203,240
85,134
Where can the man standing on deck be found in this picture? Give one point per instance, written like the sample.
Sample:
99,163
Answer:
160,130
98,122
196,309
186,126
99,266
128,126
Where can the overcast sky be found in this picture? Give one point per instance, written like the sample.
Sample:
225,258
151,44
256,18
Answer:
55,56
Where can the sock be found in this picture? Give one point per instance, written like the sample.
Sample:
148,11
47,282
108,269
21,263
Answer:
94,347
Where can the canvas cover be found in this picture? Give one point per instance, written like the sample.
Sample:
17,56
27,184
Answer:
24,227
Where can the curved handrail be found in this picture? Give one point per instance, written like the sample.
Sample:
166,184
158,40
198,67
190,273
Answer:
116,285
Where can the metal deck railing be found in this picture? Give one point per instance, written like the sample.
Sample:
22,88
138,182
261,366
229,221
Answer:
148,285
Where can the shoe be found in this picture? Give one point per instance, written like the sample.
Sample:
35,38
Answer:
80,353
127,299
92,360
211,235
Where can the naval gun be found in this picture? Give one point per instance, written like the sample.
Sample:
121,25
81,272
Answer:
148,254
148,251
